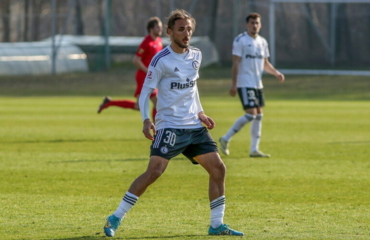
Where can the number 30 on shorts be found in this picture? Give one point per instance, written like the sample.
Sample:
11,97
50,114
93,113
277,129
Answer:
169,138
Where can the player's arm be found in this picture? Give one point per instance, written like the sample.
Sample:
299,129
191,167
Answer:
210,124
273,71
139,64
144,104
152,78
234,74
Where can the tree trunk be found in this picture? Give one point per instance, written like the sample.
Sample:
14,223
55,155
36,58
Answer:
212,31
37,9
5,18
26,10
100,17
79,22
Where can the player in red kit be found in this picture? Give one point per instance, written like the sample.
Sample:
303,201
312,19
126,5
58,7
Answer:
151,45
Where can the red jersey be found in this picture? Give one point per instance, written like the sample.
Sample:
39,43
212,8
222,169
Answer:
148,48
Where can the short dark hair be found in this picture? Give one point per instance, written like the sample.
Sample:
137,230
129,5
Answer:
152,22
253,16
179,14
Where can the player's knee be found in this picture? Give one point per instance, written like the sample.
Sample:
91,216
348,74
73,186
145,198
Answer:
249,117
154,174
258,117
221,168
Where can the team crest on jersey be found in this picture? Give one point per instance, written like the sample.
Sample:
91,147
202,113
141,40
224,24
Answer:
164,150
141,51
195,64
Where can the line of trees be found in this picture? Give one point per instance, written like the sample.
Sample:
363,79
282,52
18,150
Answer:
302,30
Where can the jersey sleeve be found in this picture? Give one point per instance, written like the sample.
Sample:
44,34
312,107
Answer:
142,48
144,103
154,74
237,47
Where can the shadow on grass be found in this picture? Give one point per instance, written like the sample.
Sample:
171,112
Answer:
115,160
102,160
71,140
142,237
352,142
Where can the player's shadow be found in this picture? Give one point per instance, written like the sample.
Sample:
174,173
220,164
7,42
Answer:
133,238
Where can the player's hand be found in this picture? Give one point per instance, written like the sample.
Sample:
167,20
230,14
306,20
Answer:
280,76
207,121
148,125
233,90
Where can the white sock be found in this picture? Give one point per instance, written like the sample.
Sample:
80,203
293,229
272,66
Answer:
126,204
256,128
239,124
217,211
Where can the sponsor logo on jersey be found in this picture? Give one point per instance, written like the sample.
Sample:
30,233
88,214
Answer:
176,70
164,149
178,85
195,64
254,56
149,75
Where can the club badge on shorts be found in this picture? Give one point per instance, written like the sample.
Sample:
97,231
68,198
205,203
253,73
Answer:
164,150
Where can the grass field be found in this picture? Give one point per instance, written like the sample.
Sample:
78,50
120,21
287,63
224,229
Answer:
64,168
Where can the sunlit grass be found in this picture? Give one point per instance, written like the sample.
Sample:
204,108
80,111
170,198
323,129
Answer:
64,169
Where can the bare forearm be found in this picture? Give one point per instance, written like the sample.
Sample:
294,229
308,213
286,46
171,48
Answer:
270,69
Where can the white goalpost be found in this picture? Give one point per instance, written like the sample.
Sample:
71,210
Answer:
329,42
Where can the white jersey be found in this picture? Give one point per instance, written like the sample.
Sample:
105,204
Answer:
253,53
175,77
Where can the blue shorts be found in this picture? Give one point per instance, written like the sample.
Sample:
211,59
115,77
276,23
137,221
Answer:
170,142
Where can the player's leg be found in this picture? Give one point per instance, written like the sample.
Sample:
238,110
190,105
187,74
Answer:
248,99
130,104
256,129
216,169
157,165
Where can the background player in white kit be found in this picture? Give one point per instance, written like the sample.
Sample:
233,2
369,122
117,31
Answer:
250,58
178,128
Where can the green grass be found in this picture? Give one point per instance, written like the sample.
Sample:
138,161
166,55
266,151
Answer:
64,168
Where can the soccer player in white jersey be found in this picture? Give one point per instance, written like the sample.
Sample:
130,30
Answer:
178,128
250,58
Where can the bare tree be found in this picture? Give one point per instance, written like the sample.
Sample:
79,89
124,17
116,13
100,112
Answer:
26,11
5,17
212,31
100,16
79,23
37,6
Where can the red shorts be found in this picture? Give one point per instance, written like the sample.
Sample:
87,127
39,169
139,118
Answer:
140,78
